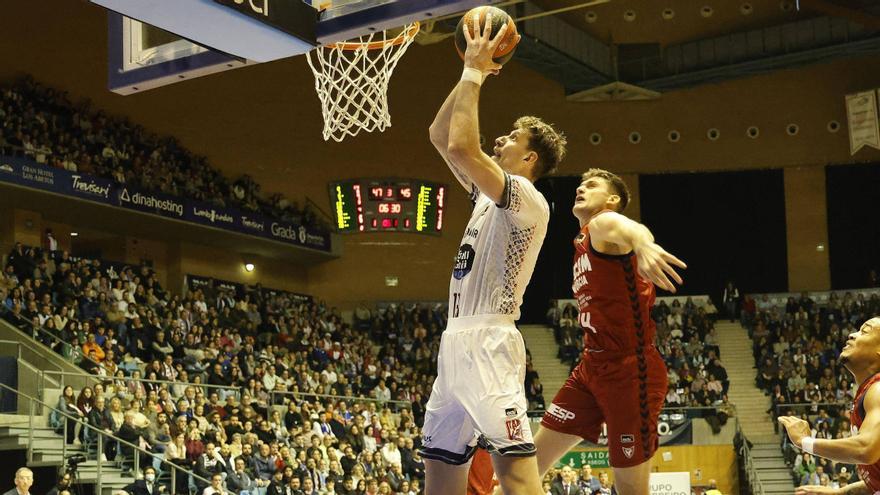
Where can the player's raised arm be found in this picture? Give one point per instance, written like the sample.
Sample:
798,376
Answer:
439,133
863,448
655,263
464,131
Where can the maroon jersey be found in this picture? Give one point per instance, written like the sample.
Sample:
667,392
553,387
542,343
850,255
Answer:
614,302
870,474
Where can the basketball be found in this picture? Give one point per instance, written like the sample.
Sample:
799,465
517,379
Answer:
499,17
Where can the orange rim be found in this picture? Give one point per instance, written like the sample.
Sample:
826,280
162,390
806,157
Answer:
377,45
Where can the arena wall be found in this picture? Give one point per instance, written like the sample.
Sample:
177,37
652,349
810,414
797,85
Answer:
265,121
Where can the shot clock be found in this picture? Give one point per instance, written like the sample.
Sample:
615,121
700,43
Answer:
388,205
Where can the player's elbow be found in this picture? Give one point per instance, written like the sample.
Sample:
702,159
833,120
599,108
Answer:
868,452
866,458
869,455
439,136
459,151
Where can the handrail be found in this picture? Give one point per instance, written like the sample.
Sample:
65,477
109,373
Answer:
273,393
817,404
101,438
30,345
757,487
233,389
57,339
19,345
146,380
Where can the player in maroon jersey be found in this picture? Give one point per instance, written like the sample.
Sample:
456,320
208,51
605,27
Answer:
861,356
621,379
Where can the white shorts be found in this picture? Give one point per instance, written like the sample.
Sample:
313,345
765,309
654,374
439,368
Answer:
479,394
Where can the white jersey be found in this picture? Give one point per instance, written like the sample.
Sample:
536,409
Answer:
498,251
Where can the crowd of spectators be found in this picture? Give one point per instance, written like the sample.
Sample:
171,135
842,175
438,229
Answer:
687,340
235,373
796,348
44,124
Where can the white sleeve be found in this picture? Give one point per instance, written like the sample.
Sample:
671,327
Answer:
522,202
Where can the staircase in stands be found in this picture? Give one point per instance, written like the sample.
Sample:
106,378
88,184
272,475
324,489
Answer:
48,452
544,349
751,406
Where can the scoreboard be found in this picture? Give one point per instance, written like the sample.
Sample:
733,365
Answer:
388,205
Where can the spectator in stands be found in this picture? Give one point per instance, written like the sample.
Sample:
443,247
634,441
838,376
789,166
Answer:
24,479
567,484
130,433
535,394
712,489
231,348
586,481
42,124
67,405
730,298
605,487
216,486
149,485
99,418
239,480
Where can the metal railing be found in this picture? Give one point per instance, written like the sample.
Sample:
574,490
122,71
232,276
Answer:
103,379
24,324
754,480
31,347
828,406
102,437
227,389
299,395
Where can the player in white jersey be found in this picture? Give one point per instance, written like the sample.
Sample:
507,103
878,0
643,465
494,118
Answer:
479,394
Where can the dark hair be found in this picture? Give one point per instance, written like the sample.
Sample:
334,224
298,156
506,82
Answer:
545,141
614,180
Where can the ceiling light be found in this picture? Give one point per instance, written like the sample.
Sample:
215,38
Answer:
249,267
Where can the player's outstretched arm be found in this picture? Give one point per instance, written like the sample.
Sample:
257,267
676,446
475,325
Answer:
863,448
464,129
655,264
858,488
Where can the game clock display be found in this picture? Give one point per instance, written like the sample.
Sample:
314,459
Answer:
388,205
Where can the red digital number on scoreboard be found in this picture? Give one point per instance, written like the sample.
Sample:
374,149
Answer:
392,208
390,223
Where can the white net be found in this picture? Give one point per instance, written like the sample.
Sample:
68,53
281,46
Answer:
352,81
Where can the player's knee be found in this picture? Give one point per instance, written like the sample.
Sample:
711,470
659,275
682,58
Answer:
518,475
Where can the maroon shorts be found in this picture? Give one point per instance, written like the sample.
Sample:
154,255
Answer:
624,391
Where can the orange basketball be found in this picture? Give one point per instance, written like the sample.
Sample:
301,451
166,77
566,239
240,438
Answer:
499,18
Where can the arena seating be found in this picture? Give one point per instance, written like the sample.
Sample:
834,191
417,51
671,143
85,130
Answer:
42,123
685,337
797,341
272,352
244,367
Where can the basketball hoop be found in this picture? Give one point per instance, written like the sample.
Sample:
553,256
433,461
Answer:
351,79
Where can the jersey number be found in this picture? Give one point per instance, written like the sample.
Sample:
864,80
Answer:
455,300
584,318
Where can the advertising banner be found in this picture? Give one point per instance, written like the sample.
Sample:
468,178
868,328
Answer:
26,172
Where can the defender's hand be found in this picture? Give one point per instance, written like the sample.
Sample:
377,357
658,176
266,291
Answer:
797,428
655,264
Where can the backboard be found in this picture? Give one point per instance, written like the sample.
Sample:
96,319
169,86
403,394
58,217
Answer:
152,43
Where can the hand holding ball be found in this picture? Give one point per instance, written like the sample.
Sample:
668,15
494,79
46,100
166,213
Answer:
475,22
